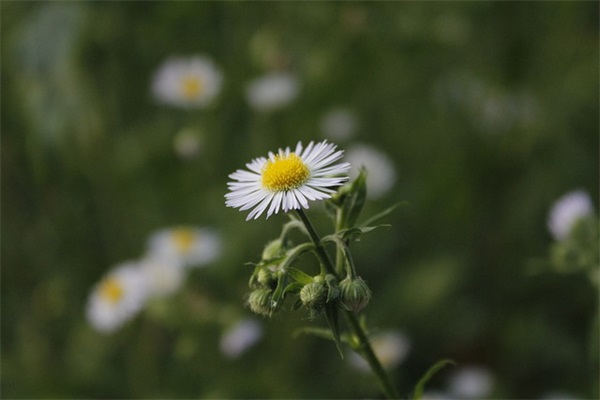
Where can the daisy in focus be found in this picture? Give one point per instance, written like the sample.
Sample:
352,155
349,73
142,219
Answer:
187,82
117,298
287,180
191,246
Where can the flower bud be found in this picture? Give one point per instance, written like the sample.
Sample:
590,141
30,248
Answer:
273,249
354,294
265,277
260,301
314,295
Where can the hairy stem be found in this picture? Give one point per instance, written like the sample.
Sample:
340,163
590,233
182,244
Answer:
363,347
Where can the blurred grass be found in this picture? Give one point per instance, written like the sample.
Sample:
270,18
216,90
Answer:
88,171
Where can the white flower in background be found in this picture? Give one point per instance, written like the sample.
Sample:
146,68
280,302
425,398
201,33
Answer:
187,82
272,91
339,124
473,382
191,246
117,298
187,144
390,347
240,337
566,211
381,174
287,180
165,275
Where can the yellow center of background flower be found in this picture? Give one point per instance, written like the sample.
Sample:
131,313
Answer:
284,173
183,239
111,290
191,87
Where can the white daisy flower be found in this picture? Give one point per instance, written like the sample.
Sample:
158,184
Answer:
566,211
117,298
191,246
165,275
473,382
272,91
287,180
390,347
187,82
240,337
339,124
381,174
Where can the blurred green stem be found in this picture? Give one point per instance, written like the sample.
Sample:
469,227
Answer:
363,346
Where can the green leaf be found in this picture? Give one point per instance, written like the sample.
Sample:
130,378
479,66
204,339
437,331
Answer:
384,213
418,392
311,330
279,293
333,321
299,276
356,233
355,200
293,287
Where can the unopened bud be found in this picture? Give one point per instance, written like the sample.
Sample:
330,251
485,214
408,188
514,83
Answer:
273,249
314,295
265,277
354,294
260,301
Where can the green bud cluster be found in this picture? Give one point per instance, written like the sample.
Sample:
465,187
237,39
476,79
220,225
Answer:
273,249
354,294
314,295
260,301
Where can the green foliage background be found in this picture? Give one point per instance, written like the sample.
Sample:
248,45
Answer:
88,171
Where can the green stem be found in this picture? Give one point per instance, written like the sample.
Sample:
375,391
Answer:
364,347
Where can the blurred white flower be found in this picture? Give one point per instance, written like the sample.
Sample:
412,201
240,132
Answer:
473,382
381,174
187,143
240,337
187,82
272,91
339,124
566,211
390,347
117,298
164,275
191,246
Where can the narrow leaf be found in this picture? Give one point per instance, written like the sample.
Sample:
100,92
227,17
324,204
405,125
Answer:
293,287
333,321
299,276
384,213
418,393
311,330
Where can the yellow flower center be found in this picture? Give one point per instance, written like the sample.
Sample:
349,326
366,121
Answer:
111,290
183,239
191,87
284,173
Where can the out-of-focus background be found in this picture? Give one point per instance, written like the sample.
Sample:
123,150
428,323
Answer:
480,115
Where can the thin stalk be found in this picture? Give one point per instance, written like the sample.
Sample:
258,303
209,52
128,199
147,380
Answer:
364,347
